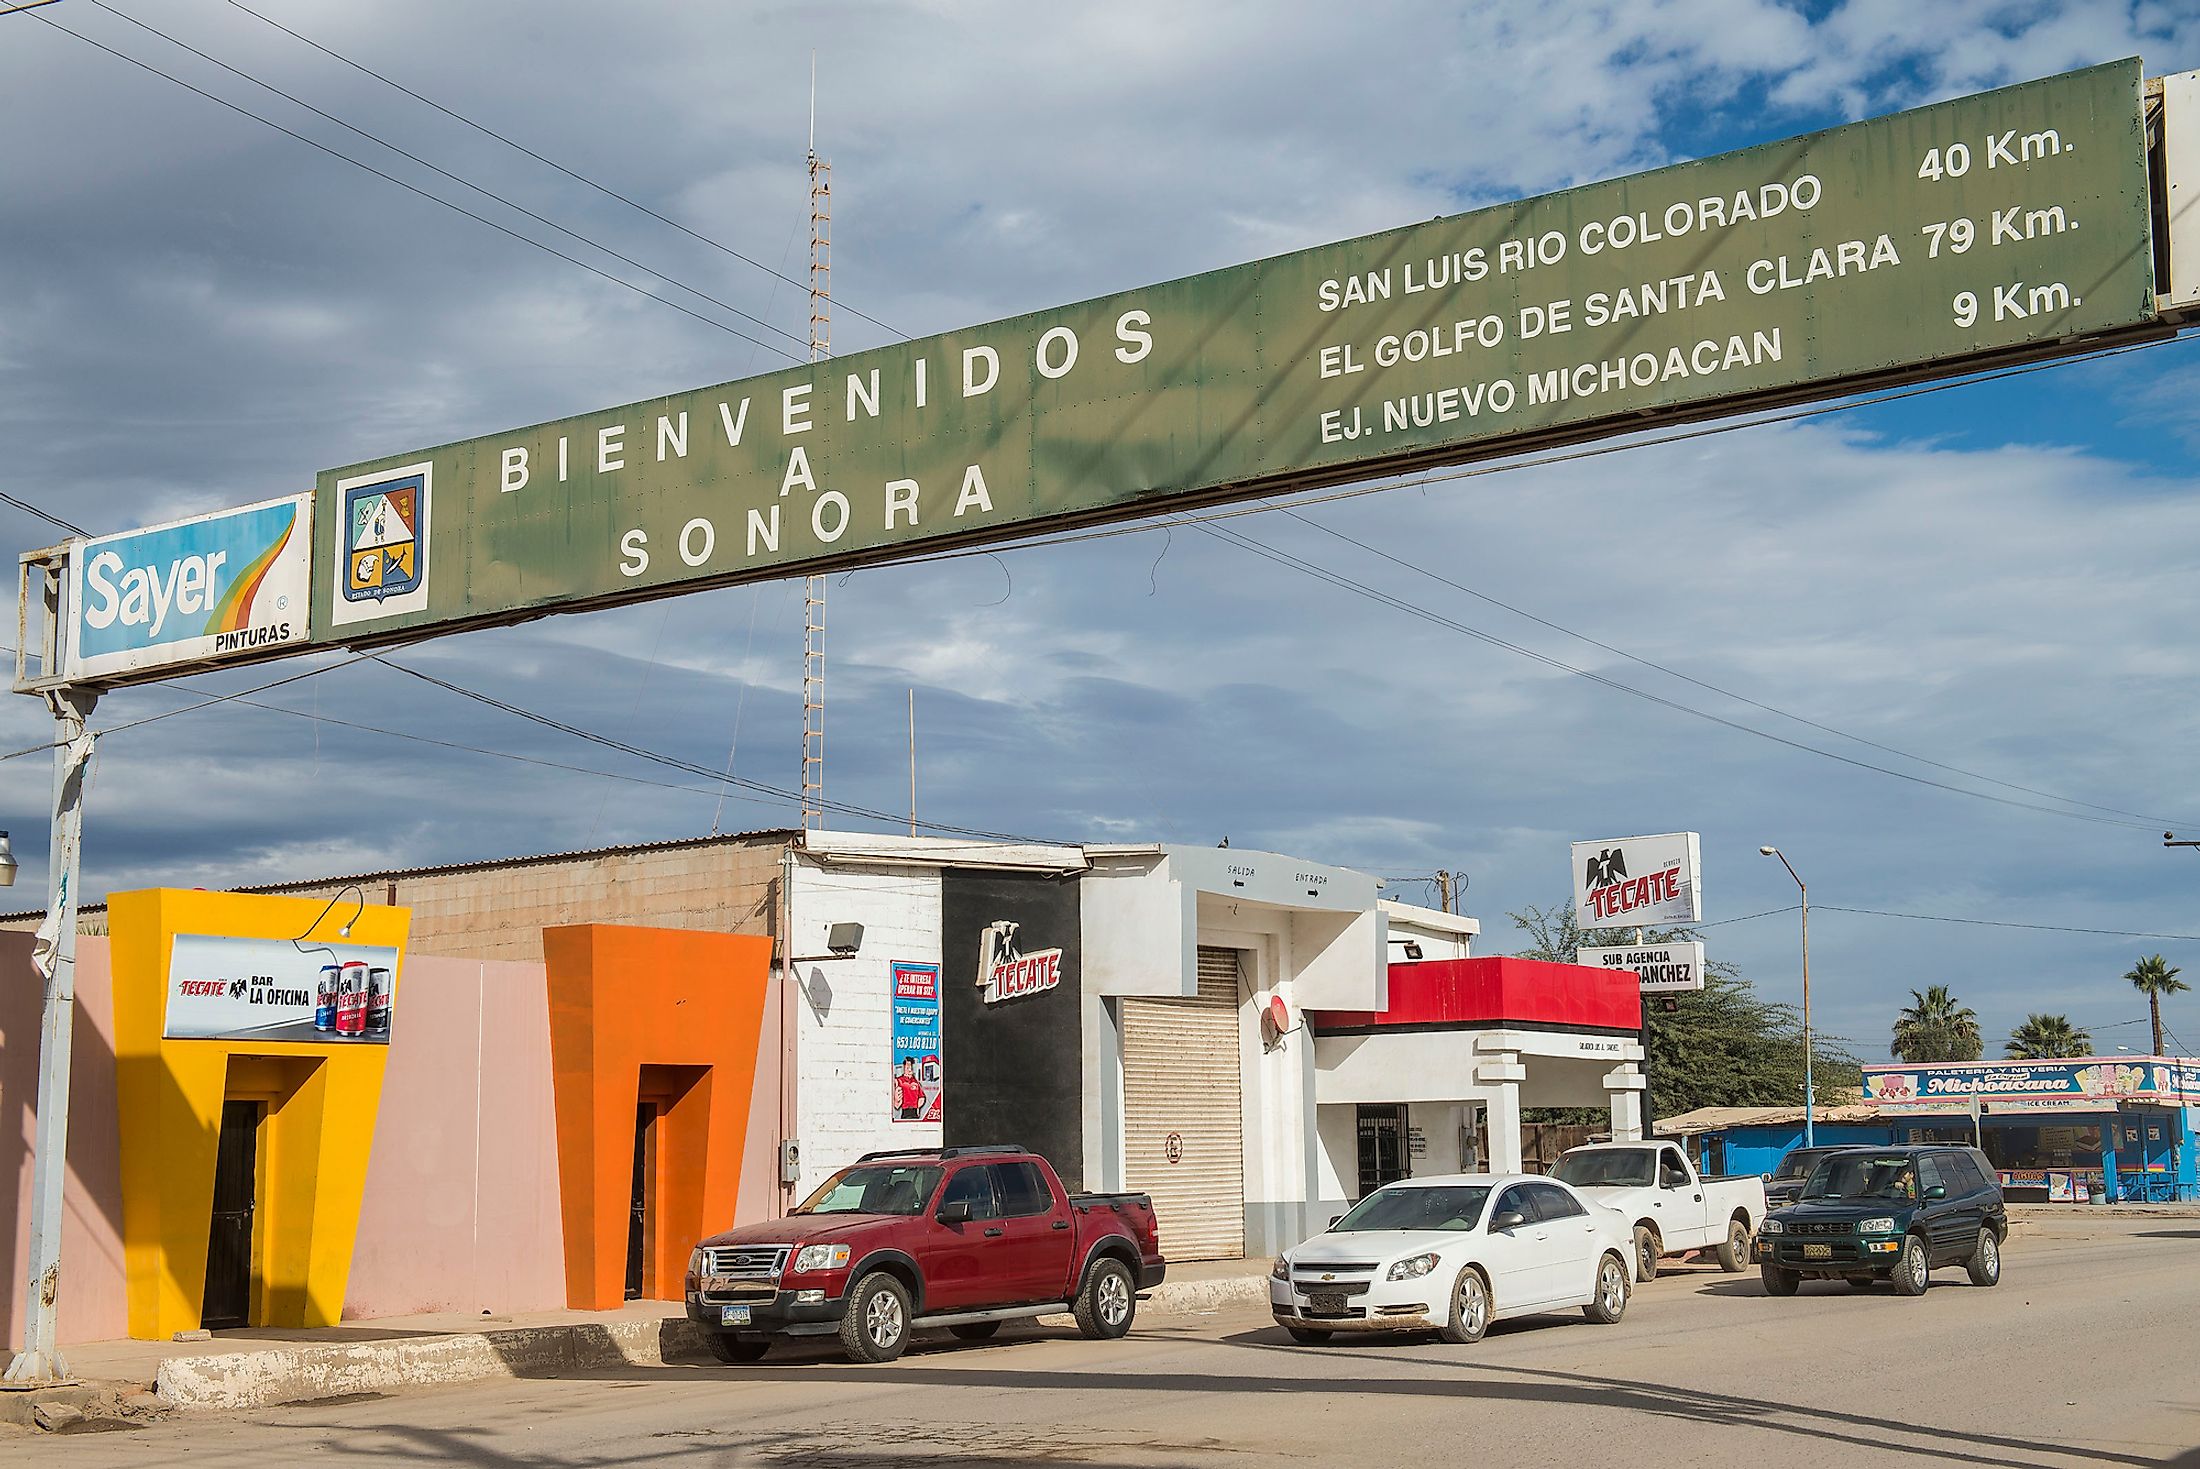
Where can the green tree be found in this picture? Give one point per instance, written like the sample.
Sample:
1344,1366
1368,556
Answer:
1723,1046
1937,1028
2047,1038
2154,978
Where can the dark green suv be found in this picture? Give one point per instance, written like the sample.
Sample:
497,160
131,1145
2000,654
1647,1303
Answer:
1872,1214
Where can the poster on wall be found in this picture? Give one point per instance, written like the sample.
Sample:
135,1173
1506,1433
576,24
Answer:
917,1078
222,988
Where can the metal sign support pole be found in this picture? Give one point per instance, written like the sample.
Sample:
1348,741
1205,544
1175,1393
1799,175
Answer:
40,1359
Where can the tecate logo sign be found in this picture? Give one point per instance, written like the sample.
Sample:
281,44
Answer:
1638,882
1005,972
191,591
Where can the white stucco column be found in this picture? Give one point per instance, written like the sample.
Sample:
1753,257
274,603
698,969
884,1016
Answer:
1623,1090
1504,1115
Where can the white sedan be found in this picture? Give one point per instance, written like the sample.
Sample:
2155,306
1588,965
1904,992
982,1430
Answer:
1453,1254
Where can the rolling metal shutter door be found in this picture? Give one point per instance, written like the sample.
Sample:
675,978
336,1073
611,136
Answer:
1180,1075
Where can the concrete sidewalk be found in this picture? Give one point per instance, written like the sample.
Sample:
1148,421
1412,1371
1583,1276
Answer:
257,1367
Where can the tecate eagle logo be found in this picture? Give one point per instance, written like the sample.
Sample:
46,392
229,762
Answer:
1005,972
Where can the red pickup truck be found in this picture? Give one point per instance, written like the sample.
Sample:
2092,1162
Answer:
962,1238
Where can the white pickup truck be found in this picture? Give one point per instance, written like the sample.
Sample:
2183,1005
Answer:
1673,1210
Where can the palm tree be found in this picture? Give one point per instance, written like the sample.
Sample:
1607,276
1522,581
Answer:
2047,1038
2154,978
1936,1028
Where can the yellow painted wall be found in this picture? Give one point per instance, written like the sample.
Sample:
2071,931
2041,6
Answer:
313,1146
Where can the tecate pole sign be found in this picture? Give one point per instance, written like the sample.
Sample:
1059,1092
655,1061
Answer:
2011,223
1638,882
1661,968
222,586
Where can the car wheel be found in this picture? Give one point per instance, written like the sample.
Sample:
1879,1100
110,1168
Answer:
1470,1309
1108,1302
733,1351
876,1328
1778,1282
1985,1261
1913,1267
1861,1282
976,1330
1611,1298
1307,1336
1734,1251
1647,1249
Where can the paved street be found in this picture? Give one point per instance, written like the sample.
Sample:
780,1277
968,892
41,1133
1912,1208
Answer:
2081,1356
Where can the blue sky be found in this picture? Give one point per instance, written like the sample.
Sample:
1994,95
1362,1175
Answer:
195,311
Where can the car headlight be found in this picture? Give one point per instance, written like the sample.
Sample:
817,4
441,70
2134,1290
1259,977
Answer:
1772,1226
1882,1225
1281,1270
699,1262
814,1258
1412,1268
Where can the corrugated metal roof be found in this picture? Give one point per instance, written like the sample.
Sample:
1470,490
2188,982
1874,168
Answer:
1719,1119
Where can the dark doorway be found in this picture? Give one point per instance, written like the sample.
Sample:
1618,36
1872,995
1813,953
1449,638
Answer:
637,1226
1382,1146
228,1299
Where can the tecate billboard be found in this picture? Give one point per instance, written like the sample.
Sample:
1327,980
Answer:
191,591
1638,882
222,988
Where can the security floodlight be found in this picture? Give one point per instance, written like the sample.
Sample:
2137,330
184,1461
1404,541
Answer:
842,940
7,862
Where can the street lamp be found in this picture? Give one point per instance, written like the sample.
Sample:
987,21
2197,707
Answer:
1810,1092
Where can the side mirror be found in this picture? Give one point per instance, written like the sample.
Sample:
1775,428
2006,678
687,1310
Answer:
1937,1191
1508,1221
957,1212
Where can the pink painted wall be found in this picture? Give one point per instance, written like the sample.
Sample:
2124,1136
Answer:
92,1304
461,1207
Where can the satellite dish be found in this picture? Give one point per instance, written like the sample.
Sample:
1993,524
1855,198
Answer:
1276,1018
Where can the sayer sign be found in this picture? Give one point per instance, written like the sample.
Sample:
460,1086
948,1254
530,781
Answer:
1005,972
1638,882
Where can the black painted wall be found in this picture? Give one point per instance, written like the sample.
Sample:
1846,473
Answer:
1013,1071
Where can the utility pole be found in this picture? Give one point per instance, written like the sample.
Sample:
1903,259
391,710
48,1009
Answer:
55,955
813,588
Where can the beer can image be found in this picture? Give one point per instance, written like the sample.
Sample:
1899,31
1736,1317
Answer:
351,1001
378,1004
324,997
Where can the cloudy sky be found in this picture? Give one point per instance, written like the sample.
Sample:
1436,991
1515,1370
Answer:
1991,588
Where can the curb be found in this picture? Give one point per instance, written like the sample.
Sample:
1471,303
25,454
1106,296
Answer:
319,1371
308,1373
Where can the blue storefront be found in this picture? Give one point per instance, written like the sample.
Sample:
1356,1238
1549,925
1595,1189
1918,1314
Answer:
2117,1129
2102,1129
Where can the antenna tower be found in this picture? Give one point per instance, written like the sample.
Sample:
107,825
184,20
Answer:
813,589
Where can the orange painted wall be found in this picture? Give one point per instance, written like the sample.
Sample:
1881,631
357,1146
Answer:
639,1014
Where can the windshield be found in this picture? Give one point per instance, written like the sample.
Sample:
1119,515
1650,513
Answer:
1609,1167
1863,1176
1436,1206
875,1189
1798,1163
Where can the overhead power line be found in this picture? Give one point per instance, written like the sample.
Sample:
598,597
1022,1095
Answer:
411,188
446,173
2114,933
690,767
46,515
577,177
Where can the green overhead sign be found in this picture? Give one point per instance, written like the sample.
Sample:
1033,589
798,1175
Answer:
2012,222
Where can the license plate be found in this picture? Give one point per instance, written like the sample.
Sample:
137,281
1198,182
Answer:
1325,1303
1818,1252
733,1315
